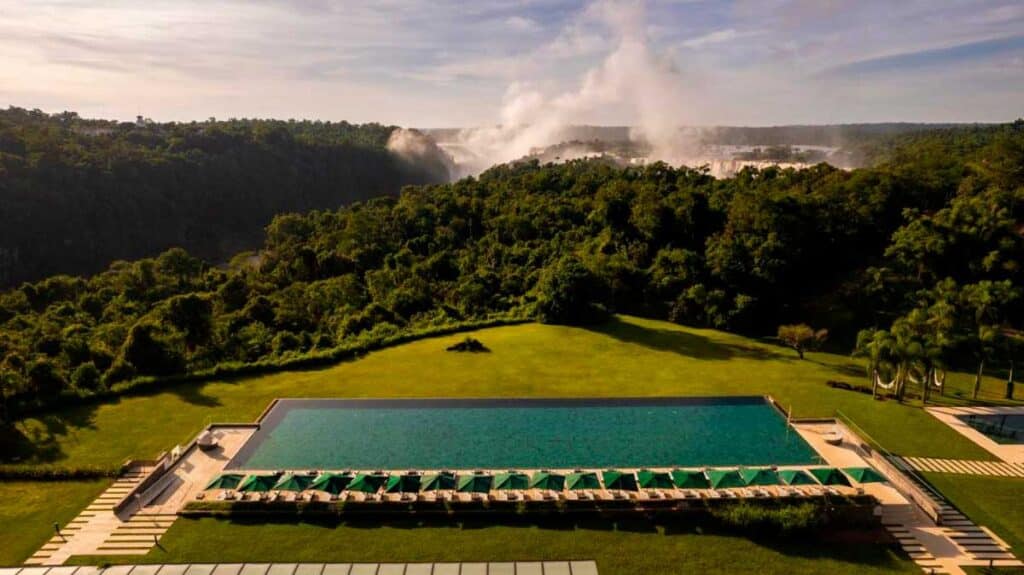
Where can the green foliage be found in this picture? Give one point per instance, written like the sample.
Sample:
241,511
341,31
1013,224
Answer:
801,337
86,378
931,267
569,293
36,472
79,194
784,520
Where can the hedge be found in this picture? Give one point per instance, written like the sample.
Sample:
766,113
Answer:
14,472
310,360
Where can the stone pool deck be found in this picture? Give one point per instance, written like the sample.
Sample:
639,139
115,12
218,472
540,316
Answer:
944,544
503,568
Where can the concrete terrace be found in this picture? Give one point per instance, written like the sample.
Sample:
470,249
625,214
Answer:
99,530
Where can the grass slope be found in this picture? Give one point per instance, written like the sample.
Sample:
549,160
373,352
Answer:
995,502
28,510
631,549
627,357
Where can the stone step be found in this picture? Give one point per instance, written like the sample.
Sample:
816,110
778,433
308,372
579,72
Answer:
126,545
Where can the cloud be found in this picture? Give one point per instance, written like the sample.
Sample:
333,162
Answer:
918,59
449,62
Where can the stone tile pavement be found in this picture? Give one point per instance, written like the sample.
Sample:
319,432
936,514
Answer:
503,568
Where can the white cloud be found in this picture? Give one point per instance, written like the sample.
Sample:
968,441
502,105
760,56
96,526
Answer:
448,62
716,37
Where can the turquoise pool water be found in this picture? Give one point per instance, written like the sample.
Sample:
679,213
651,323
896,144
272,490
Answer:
1002,428
522,434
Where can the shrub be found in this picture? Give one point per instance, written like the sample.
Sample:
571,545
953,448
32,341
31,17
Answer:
11,472
86,378
468,344
758,518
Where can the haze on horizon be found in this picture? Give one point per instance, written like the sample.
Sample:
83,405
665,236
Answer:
446,64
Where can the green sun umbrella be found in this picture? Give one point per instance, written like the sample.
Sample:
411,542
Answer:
829,476
796,477
864,474
547,480
474,483
690,479
333,483
438,482
654,479
293,482
760,477
403,484
511,480
367,483
258,483
582,480
225,481
615,479
725,478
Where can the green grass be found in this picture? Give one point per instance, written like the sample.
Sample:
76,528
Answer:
995,502
629,357
28,510
638,548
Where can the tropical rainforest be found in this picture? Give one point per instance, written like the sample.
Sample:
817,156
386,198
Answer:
915,259
77,194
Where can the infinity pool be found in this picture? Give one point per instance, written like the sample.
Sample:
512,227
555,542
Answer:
522,434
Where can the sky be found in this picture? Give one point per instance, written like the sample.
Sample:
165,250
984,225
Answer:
445,63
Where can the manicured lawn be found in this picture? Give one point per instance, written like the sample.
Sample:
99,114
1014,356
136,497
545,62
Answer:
629,357
995,502
29,509
638,548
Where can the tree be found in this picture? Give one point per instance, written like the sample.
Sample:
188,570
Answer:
985,305
801,337
44,378
192,315
150,351
86,377
568,293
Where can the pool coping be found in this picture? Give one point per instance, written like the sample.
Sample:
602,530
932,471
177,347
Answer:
505,401
271,415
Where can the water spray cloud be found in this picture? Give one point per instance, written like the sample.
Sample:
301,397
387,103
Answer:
646,86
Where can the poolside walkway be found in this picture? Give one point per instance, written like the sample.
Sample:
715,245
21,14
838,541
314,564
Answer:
964,466
505,568
951,416
99,531
937,548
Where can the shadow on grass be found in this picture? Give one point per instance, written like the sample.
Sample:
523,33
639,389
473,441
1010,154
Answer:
684,342
37,440
807,545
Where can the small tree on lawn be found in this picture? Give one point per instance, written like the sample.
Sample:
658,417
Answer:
801,337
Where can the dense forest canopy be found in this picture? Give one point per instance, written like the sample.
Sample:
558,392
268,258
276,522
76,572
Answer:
921,255
77,194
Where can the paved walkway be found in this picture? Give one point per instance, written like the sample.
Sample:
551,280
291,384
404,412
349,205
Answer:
953,417
944,548
517,568
957,542
99,531
964,466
